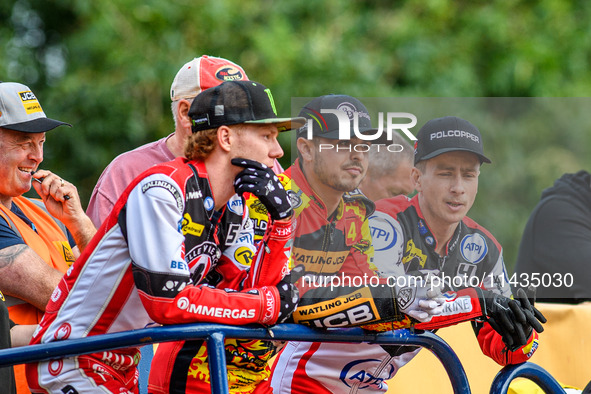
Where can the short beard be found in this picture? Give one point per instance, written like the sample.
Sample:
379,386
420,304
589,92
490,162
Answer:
333,182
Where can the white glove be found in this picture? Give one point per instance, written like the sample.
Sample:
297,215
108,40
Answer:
420,298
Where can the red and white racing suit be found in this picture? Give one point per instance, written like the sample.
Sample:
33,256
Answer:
156,260
404,246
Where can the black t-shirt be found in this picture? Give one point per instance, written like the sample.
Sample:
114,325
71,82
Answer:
556,242
7,384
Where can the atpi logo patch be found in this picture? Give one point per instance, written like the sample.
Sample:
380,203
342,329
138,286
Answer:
383,233
473,248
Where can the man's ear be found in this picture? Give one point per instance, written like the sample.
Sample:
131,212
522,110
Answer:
224,135
415,175
306,148
183,118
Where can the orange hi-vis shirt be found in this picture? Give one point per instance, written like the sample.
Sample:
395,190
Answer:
49,242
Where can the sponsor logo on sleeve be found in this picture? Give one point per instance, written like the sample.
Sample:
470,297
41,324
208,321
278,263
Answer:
184,304
63,332
270,307
57,293
383,233
166,186
174,286
244,255
457,305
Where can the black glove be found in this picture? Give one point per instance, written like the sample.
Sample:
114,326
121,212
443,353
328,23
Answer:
289,297
509,318
527,301
261,181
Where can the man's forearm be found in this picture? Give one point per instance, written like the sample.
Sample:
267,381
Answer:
24,275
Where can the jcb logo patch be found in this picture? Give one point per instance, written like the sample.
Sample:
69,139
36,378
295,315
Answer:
30,102
66,251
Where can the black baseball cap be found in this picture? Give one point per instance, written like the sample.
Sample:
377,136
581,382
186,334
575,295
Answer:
326,125
448,134
20,110
235,102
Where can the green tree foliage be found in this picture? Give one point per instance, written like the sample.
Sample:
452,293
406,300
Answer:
106,67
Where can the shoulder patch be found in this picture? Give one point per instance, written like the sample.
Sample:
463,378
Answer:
383,231
166,186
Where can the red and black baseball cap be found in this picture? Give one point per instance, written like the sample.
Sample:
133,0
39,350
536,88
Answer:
236,102
448,134
202,73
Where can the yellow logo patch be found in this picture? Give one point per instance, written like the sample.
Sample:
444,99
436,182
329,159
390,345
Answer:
412,252
66,251
190,227
243,255
30,102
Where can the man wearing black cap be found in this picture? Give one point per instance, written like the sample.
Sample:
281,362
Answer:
406,242
170,251
434,237
35,249
332,234
332,242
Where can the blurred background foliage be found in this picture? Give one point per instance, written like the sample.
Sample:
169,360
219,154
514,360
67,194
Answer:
106,67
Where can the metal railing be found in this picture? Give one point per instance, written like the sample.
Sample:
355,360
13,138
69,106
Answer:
214,335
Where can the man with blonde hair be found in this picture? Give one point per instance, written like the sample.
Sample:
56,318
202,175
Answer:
169,251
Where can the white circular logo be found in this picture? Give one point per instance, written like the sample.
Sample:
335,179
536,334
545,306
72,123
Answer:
55,367
169,284
347,108
183,303
63,332
208,203
473,248
383,233
234,205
